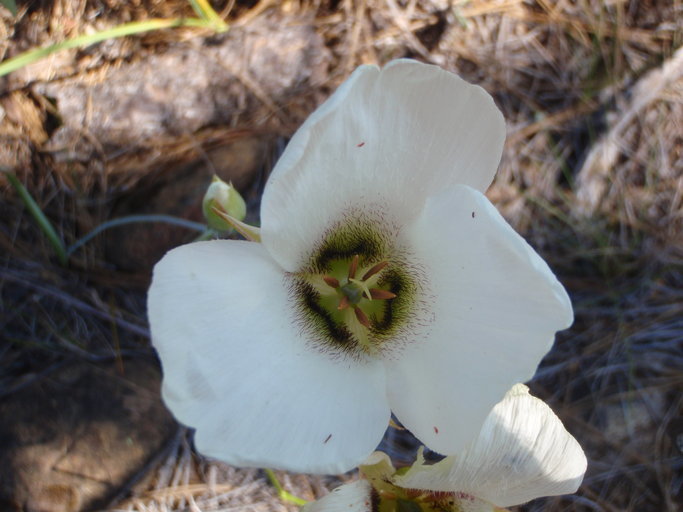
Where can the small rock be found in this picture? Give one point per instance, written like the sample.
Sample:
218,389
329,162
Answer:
74,437
219,80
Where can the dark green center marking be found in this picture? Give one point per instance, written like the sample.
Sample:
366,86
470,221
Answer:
330,314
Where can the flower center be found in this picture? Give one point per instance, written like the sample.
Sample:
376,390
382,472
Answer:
396,499
357,292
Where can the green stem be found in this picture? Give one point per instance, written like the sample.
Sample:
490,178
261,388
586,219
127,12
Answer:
282,494
135,27
208,234
132,219
40,218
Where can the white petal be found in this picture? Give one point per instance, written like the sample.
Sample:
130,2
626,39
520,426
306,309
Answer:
522,452
496,307
385,139
236,369
353,497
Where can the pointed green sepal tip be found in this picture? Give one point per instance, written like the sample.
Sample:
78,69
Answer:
222,197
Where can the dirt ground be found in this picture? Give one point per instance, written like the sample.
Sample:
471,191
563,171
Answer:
592,176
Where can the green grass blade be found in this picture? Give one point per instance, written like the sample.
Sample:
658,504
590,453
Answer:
206,12
40,218
135,27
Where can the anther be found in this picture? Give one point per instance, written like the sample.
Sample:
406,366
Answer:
343,303
376,293
375,269
331,281
362,318
353,267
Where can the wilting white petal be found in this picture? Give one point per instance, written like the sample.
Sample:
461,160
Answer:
384,140
495,306
353,497
522,452
237,370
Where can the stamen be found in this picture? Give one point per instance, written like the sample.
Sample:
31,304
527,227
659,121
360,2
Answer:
361,317
376,268
376,293
353,267
333,282
343,303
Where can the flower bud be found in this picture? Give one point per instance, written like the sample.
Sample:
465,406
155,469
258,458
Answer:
224,197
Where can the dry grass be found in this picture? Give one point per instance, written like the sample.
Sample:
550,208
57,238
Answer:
592,174
183,482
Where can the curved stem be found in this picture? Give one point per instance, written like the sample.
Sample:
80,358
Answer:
208,234
132,219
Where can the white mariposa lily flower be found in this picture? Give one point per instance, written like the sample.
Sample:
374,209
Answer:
522,452
385,280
